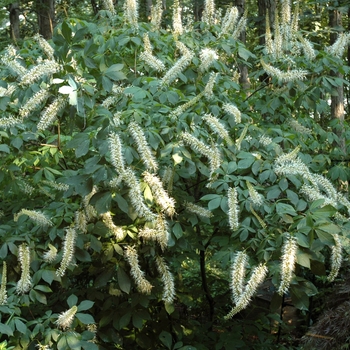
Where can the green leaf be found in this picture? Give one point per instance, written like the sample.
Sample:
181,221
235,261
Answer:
246,163
3,251
21,327
40,297
113,72
177,230
102,202
122,203
123,280
43,288
4,148
48,276
137,321
104,277
5,329
166,339
214,203
66,31
325,237
124,320
85,305
303,259
72,300
85,318
282,208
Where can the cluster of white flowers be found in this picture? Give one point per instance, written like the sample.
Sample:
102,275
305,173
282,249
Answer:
65,319
256,198
50,255
109,6
118,231
46,67
80,221
116,150
208,15
207,57
338,48
265,140
131,13
298,127
156,14
90,211
208,89
68,251
7,91
49,115
9,59
158,233
336,258
149,58
233,111
167,279
177,21
240,27
166,203
241,137
290,75
39,218
9,122
218,127
289,257
212,153
57,186
233,211
142,146
138,275
135,194
25,282
179,65
45,46
307,47
241,293
229,20
3,292
198,210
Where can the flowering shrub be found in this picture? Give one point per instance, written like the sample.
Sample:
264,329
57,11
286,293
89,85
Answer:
129,152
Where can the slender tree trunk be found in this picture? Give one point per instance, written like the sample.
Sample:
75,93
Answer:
95,7
14,21
148,9
243,79
46,17
337,100
265,7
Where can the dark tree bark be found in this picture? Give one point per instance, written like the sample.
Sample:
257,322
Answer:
265,7
95,7
14,20
337,100
46,17
243,79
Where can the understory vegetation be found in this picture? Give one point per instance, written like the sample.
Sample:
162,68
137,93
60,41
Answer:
151,200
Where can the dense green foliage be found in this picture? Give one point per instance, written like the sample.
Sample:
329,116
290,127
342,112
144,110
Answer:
66,171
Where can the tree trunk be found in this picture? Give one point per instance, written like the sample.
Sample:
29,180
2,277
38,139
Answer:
337,100
264,7
243,79
46,17
14,21
148,9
